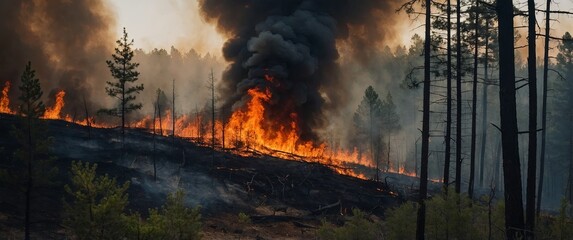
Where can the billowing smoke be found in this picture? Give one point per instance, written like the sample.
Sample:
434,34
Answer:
66,41
296,42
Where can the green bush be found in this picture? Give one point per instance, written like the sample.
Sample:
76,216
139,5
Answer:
357,227
244,219
447,217
97,206
97,211
401,221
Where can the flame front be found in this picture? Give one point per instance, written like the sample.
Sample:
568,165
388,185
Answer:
4,100
54,111
246,131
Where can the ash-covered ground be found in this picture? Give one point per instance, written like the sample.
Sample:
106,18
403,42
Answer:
285,199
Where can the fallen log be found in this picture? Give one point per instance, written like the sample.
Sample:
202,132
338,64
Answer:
303,225
275,218
327,207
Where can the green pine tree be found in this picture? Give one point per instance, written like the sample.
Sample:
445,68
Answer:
125,72
31,166
96,206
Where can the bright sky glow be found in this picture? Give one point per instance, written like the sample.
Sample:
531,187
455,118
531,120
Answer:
166,23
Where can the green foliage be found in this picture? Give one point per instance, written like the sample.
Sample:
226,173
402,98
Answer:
562,227
400,221
125,72
357,227
558,227
97,204
97,211
30,166
175,221
451,217
31,106
244,219
172,221
372,118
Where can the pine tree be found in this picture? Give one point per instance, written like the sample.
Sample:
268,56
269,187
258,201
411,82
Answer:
96,209
125,72
367,121
33,167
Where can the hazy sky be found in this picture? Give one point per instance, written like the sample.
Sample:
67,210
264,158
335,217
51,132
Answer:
166,23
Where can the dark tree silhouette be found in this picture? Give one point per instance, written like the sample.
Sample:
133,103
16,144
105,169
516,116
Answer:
421,219
458,184
532,148
544,105
511,167
31,136
367,120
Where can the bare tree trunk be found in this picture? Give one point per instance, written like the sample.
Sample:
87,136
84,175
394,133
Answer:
155,107
212,80
497,166
421,218
544,108
532,148
458,98
570,180
88,122
474,105
173,116
484,107
514,219
448,136
29,182
159,114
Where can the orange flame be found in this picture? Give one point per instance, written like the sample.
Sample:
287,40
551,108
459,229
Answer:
245,132
54,111
4,100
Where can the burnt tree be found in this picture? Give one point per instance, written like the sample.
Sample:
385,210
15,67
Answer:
458,98
448,136
474,103
514,221
532,148
421,218
544,106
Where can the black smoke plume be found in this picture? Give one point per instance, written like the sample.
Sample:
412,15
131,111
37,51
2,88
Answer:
67,43
297,43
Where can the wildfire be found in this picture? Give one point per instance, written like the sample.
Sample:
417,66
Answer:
245,132
54,111
4,100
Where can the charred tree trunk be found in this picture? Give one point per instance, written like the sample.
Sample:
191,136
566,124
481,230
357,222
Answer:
458,98
570,179
484,107
173,116
474,104
514,221
448,136
212,80
421,219
154,146
29,183
88,122
532,148
544,108
159,114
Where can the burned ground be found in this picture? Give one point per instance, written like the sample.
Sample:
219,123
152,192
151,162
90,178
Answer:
285,199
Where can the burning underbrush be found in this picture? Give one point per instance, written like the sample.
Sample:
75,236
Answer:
245,132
